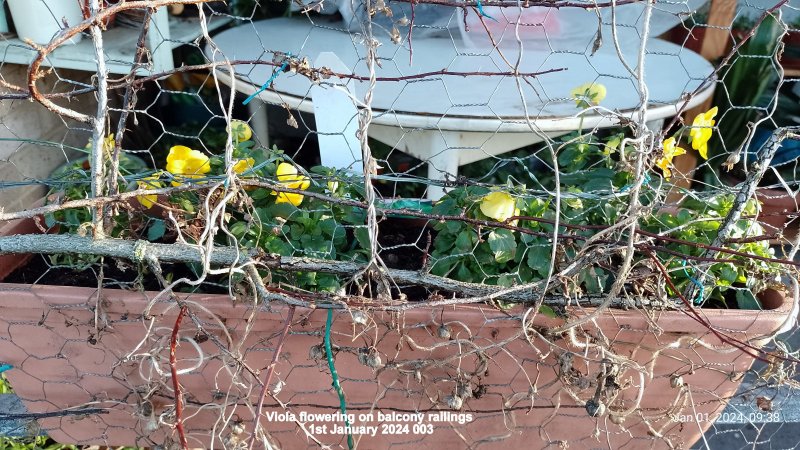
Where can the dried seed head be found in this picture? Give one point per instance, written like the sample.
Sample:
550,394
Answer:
237,427
595,408
151,425
443,332
316,352
619,420
277,387
676,381
374,361
360,318
454,402
464,390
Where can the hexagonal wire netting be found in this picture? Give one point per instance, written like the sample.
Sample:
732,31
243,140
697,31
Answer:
540,223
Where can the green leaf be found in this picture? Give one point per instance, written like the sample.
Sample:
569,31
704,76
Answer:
506,280
503,244
453,226
157,229
259,194
185,204
464,241
548,311
362,236
746,300
280,210
327,282
539,259
601,180
463,273
728,273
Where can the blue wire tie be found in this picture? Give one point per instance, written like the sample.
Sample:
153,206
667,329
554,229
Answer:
699,298
271,79
482,12
645,182
5,367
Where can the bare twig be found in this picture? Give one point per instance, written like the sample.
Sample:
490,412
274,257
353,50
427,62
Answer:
173,367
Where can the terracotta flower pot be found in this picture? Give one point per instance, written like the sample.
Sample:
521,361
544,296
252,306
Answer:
518,389
779,211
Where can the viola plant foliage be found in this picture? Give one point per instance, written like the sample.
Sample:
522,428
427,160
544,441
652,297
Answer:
504,237
282,223
594,195
595,184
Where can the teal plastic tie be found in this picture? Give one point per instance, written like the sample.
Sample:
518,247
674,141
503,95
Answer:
699,299
482,12
271,79
335,377
627,187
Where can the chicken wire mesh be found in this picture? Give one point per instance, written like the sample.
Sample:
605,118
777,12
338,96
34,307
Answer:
534,223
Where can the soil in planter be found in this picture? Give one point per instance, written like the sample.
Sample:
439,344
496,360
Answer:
39,271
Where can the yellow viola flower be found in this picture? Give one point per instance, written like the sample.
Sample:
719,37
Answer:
515,222
333,186
701,131
499,206
184,162
241,131
288,176
243,165
151,182
671,150
612,145
588,94
108,143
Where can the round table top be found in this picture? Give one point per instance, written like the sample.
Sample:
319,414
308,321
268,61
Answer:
472,103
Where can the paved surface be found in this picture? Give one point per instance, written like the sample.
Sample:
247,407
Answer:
763,432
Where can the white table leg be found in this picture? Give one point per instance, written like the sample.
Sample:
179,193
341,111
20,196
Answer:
443,162
436,147
446,150
259,121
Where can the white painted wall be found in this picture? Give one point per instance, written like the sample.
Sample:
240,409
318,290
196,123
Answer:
22,120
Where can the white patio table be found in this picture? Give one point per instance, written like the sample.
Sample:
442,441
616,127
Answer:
450,121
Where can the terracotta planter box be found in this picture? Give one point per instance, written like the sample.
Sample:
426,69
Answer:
779,211
524,391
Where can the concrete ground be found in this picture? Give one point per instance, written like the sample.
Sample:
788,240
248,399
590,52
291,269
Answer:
765,432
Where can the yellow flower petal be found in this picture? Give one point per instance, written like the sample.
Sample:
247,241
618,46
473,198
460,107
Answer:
296,182
147,200
184,161
288,197
702,130
671,149
241,131
703,151
664,164
178,152
177,166
287,176
515,222
498,205
150,182
285,170
243,165
592,93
